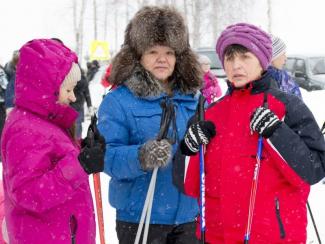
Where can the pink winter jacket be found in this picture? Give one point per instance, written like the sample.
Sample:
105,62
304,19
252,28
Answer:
44,183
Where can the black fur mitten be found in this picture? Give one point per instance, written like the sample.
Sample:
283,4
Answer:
155,154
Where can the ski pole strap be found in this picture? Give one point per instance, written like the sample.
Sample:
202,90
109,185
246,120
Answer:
168,116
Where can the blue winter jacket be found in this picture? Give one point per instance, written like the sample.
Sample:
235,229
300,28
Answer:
127,122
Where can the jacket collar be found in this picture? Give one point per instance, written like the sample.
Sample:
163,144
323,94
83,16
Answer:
144,85
257,86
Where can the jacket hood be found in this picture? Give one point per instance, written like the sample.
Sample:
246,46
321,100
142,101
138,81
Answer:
42,67
158,26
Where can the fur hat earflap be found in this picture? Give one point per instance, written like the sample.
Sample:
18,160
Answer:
151,26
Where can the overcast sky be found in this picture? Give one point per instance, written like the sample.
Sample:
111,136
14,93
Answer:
300,23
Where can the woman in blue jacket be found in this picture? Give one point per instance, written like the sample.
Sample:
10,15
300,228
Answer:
155,66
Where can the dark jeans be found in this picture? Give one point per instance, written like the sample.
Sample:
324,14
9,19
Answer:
158,234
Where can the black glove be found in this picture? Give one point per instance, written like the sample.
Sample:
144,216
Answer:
155,154
264,122
197,134
92,152
92,158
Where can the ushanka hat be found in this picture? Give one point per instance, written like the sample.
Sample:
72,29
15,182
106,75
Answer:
250,36
153,25
278,47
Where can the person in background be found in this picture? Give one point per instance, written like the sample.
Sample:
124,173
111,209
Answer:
293,152
92,68
3,87
45,173
155,69
211,89
283,80
82,95
10,69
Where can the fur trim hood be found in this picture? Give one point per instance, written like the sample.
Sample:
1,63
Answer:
163,26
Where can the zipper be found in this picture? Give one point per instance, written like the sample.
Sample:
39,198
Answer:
278,216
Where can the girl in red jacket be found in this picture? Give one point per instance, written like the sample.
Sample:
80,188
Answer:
293,154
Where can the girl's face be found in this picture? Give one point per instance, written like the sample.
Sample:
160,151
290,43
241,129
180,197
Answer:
66,95
159,61
242,68
205,67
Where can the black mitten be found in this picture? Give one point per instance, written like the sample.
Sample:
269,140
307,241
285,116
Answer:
264,122
92,152
155,154
92,158
197,134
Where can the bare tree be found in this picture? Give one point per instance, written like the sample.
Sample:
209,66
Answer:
196,23
269,15
95,19
214,18
106,7
78,18
116,23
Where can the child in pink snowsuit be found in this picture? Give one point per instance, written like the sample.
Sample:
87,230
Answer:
211,89
45,175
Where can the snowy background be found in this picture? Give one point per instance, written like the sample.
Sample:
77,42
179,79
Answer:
315,101
300,23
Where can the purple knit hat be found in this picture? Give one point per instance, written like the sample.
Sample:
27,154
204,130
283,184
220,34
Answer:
250,36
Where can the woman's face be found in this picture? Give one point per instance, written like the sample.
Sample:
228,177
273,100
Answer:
159,61
242,68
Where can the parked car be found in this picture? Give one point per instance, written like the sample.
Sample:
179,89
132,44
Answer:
216,66
308,71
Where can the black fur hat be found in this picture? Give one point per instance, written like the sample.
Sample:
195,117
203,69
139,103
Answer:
163,26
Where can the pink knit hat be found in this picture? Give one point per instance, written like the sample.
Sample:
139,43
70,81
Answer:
250,36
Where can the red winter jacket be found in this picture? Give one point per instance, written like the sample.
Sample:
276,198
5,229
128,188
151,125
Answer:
292,159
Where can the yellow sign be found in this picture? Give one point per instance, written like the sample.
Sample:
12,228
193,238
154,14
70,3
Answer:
99,50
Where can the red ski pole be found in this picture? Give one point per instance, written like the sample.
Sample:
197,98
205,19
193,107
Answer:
97,185
99,207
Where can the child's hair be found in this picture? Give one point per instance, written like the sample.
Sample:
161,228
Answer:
234,49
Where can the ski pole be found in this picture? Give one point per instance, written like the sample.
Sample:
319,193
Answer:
166,118
97,184
314,223
73,228
252,197
147,205
99,207
202,174
253,190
